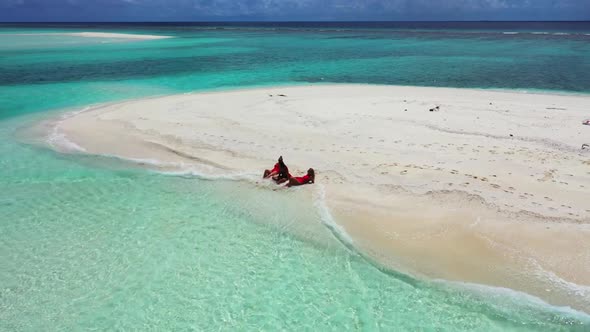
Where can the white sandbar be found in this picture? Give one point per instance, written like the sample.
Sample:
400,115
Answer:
493,188
98,35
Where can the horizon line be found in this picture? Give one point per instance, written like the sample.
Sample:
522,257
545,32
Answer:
296,21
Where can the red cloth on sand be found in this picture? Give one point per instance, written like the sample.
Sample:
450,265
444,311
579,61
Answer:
275,169
302,179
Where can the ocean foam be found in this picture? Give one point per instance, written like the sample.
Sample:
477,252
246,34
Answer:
573,289
191,171
327,218
59,141
498,295
535,268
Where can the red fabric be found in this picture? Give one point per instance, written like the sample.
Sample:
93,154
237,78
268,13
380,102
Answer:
302,179
275,169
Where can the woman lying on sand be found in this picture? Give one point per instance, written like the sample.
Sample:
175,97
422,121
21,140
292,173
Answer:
279,173
300,180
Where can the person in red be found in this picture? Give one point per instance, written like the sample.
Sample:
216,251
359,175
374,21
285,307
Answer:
301,180
279,173
272,172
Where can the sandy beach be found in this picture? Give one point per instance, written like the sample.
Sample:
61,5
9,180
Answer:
491,187
98,35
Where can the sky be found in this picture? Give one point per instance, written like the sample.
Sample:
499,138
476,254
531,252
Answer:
291,10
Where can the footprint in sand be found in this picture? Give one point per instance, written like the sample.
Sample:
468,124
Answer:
548,175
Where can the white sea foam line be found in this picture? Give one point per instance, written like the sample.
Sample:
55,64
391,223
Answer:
58,140
68,115
326,217
238,176
520,298
573,289
147,161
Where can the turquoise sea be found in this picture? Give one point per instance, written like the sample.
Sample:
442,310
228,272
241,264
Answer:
90,243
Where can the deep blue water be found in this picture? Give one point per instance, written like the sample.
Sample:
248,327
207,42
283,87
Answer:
500,55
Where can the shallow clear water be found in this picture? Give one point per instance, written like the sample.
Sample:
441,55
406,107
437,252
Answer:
92,243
